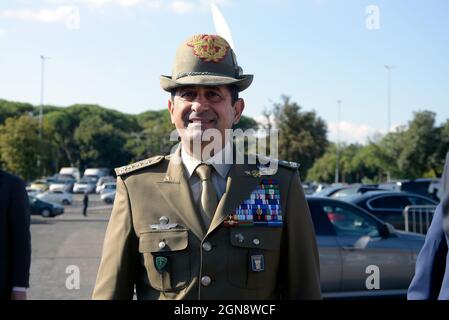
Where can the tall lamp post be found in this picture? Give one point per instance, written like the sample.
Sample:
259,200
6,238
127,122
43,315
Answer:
388,96
337,166
41,116
43,58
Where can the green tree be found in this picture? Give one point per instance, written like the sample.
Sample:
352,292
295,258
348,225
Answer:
100,144
154,136
246,123
419,143
302,134
21,149
323,169
10,109
63,126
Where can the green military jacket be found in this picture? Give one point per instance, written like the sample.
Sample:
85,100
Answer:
176,257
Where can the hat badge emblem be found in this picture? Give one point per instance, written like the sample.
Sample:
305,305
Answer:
209,48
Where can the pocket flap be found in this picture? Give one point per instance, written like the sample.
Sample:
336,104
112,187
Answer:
256,237
174,240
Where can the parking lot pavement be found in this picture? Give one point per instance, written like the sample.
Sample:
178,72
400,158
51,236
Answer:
63,245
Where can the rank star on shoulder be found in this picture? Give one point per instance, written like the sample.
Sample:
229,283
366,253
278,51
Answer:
186,310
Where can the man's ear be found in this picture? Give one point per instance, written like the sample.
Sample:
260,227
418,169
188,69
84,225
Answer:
239,105
170,109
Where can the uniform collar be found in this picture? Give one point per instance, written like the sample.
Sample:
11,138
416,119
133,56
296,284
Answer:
217,161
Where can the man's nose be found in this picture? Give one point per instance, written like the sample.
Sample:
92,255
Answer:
200,104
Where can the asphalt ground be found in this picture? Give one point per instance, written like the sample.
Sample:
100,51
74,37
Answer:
66,251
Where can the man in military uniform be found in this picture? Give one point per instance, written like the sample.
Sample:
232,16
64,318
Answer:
188,226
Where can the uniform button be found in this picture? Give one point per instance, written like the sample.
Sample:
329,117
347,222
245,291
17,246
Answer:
206,280
162,245
256,241
207,246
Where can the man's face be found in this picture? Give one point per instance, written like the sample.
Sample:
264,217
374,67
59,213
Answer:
195,109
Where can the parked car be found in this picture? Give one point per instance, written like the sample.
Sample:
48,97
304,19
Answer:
389,205
353,190
102,181
96,172
43,208
33,191
108,197
328,191
108,187
342,190
351,240
62,185
71,171
39,184
61,197
428,187
86,184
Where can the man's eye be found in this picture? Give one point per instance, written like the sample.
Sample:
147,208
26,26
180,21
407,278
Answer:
213,95
187,94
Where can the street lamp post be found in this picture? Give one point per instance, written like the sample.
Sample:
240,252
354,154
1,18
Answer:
43,58
388,96
41,116
337,166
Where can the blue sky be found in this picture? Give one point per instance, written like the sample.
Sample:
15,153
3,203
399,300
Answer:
316,51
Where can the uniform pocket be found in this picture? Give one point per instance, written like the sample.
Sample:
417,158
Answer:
166,258
253,257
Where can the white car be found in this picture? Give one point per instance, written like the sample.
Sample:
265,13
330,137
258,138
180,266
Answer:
32,192
56,197
108,187
102,181
71,171
108,197
86,184
61,185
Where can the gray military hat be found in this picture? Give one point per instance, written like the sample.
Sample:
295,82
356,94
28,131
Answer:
205,59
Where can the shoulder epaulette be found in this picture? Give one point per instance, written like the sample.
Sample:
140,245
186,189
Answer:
289,164
138,165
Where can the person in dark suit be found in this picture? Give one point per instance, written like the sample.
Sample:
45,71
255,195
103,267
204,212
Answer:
431,280
85,203
15,239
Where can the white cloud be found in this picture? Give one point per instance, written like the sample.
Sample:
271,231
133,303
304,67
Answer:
60,14
3,33
205,4
88,3
128,3
352,132
182,7
96,4
154,4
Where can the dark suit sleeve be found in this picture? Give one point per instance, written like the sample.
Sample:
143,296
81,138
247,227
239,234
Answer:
19,226
431,262
300,271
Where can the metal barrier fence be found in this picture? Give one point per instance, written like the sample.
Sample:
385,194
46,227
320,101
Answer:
419,217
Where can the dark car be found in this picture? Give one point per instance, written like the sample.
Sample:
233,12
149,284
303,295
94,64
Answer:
45,209
346,190
352,243
328,191
389,205
353,190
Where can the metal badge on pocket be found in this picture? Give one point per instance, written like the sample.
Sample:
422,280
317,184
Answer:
257,262
161,263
